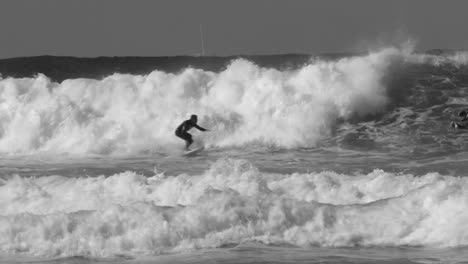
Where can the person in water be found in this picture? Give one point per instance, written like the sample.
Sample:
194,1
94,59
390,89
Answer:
182,130
463,123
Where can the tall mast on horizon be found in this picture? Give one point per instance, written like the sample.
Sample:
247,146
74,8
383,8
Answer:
201,40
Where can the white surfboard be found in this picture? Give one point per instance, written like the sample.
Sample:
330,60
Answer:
193,151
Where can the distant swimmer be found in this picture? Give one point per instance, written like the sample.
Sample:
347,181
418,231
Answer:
463,123
182,130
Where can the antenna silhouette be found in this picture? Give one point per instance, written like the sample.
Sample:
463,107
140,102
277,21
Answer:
201,40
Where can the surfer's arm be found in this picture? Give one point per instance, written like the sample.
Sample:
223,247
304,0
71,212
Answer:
200,128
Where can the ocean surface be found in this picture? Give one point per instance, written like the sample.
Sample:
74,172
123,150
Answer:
340,158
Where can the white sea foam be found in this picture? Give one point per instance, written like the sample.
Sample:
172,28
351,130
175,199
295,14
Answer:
458,59
232,202
243,104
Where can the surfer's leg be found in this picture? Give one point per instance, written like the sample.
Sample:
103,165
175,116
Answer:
179,134
185,136
188,140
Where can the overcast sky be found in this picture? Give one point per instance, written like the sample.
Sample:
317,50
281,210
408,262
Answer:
89,28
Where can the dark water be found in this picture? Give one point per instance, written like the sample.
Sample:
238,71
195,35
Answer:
62,68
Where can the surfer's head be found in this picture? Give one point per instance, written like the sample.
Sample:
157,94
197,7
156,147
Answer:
462,114
194,118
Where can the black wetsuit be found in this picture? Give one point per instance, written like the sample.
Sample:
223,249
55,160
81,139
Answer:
461,124
182,129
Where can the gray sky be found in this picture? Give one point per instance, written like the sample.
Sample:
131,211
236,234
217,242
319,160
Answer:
88,28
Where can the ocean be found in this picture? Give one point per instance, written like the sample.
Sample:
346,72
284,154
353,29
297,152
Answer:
338,158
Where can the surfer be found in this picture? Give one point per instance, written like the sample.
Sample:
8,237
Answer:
463,123
182,129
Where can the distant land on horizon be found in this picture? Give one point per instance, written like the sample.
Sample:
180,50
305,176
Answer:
59,68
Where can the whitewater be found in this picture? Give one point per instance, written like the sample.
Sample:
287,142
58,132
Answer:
342,159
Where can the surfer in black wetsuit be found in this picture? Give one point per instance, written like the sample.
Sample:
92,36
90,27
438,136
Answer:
463,123
182,129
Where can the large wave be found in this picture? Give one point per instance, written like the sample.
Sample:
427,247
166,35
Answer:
230,203
243,104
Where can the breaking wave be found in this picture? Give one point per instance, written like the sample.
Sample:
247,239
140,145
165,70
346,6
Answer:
242,104
230,203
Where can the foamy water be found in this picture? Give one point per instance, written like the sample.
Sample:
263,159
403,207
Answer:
244,104
232,202
354,153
